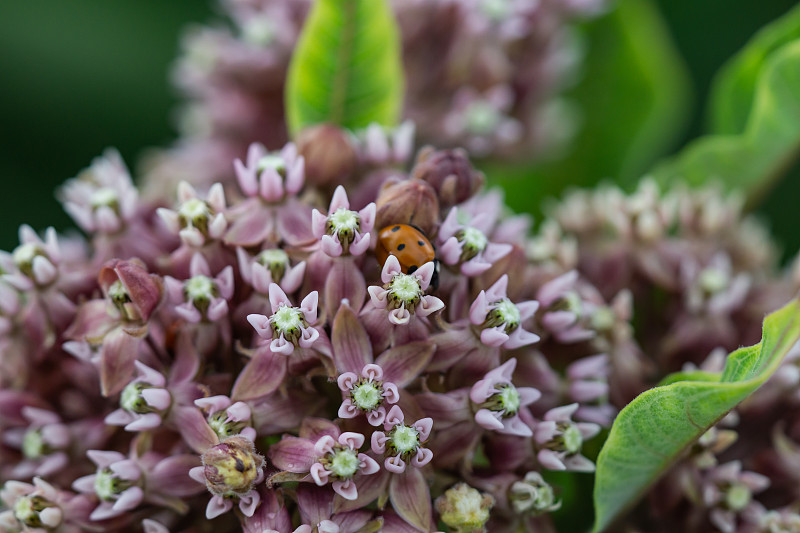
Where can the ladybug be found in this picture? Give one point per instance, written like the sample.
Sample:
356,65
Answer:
410,246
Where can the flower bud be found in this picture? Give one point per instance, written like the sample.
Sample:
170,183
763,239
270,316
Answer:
411,202
533,495
450,173
232,467
464,509
330,156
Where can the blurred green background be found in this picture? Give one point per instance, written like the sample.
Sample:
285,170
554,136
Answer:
77,76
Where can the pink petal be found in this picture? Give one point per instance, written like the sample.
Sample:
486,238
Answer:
424,274
378,442
390,392
319,474
550,460
515,426
555,288
402,364
348,410
450,251
324,445
428,304
561,414
127,469
198,474
262,375
394,417
488,419
84,484
479,309
498,290
249,503
346,489
271,185
239,411
293,454
331,246
423,457
129,499
157,398
395,465
218,505
319,223
519,338
193,428
144,422
367,217
360,244
423,425
390,269
494,336
261,324
411,499
212,404
376,416
367,465
278,298
104,458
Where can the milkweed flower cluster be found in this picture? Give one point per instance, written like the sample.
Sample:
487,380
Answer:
239,354
465,83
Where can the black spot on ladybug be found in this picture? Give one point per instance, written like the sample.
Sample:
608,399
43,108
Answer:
396,228
421,243
412,269
401,246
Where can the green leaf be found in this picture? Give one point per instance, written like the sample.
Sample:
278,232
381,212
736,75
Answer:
769,143
734,87
651,433
632,102
347,67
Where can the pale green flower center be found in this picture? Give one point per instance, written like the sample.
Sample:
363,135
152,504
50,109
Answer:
344,463
223,427
481,118
405,288
274,161
273,257
474,239
602,319
713,280
118,294
194,211
107,485
572,439
132,400
343,220
33,445
366,396
287,319
405,439
737,497
200,288
27,509
23,256
104,196
505,313
509,399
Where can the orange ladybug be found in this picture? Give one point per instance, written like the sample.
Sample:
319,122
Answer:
409,245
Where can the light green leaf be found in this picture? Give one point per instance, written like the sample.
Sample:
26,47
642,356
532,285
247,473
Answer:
734,87
652,432
632,102
770,142
347,67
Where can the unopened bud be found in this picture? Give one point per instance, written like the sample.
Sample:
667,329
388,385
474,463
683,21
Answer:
464,509
410,202
450,173
329,155
232,467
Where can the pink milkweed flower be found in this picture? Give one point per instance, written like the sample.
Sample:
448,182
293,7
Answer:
339,460
500,320
288,326
588,385
381,147
343,231
481,121
270,176
728,492
201,297
270,265
404,294
402,444
144,401
560,440
227,418
565,311
42,507
123,483
104,202
116,323
366,394
231,471
468,246
499,402
195,220
44,443
271,212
